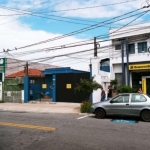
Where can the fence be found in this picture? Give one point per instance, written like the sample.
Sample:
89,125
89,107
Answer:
12,96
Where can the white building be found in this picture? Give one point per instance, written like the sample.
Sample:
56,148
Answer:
128,60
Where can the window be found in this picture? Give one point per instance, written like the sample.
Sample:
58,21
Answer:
121,99
32,81
105,65
142,47
118,76
137,98
118,47
131,48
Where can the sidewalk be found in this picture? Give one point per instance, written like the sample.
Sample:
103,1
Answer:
42,107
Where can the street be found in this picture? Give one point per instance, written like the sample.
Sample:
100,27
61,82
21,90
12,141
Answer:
51,131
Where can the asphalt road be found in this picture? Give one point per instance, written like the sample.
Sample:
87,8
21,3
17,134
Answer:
37,131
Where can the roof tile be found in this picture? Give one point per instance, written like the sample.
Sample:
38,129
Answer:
31,73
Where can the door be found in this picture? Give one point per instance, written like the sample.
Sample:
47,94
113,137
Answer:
138,102
65,84
119,105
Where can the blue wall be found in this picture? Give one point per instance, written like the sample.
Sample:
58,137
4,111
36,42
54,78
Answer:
49,82
26,89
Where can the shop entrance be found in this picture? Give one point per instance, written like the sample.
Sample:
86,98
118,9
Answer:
141,79
146,84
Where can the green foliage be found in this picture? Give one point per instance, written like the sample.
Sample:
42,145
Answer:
86,106
87,85
114,82
126,89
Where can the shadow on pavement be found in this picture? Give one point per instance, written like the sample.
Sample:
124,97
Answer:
136,119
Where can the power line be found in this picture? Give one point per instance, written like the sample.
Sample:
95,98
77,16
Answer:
81,30
14,9
73,9
65,46
62,46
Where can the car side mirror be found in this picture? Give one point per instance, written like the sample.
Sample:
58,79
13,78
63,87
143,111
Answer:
111,101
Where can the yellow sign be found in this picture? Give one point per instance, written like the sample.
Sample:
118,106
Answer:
139,67
44,86
68,86
144,85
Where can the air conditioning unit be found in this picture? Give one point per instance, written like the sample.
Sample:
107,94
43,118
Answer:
20,80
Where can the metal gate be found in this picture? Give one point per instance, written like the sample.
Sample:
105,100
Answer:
12,96
67,94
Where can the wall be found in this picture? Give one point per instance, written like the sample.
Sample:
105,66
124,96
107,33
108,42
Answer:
48,81
12,85
136,58
101,77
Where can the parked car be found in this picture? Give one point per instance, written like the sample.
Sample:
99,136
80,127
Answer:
128,104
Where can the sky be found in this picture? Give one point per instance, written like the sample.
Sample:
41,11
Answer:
26,22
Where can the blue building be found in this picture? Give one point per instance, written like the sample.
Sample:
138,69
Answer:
58,84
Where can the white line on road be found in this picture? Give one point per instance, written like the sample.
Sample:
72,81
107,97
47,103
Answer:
82,117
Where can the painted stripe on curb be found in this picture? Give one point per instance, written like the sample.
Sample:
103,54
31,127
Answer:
27,126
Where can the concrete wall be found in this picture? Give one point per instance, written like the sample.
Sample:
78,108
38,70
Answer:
101,77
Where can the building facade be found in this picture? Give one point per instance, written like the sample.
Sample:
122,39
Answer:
128,61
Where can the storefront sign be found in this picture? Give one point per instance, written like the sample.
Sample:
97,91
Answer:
68,86
139,67
3,65
44,86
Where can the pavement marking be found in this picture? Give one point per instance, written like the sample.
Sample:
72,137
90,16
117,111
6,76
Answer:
27,126
82,117
124,121
88,115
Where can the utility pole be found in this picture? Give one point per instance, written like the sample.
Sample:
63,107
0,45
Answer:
123,68
95,47
26,84
127,54
26,69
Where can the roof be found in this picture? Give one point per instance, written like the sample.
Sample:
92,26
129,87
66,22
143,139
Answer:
15,65
62,70
31,73
129,31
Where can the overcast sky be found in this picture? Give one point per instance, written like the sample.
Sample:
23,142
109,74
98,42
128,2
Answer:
17,30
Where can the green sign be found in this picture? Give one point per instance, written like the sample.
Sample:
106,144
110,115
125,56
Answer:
3,65
1,77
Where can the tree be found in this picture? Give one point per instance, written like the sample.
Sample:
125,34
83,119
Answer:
87,86
114,83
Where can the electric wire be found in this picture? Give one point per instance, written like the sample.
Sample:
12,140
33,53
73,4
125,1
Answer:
74,8
81,30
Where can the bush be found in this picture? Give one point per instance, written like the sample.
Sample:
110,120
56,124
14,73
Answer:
86,106
126,89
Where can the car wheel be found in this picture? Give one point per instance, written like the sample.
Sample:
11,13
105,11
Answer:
100,113
145,115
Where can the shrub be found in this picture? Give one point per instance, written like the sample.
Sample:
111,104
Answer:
86,106
87,86
126,89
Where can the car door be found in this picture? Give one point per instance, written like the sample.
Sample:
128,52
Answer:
138,102
118,105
